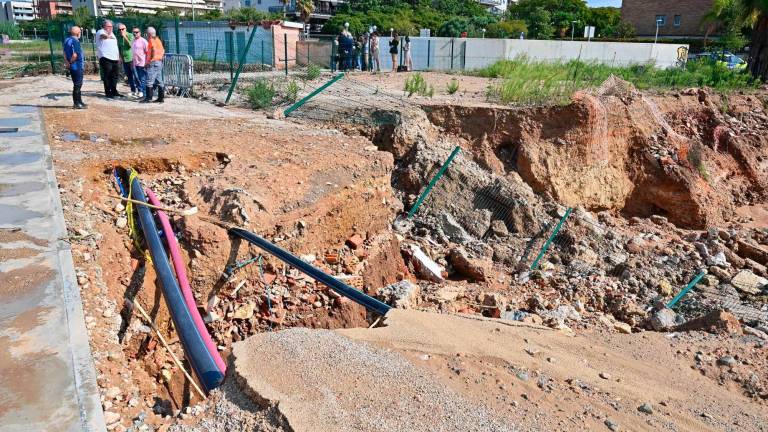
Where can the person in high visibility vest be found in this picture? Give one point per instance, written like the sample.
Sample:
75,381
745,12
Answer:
155,54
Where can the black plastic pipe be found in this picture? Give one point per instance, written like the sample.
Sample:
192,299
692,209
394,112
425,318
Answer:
340,287
202,363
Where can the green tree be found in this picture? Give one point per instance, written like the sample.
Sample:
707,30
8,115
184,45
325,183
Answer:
753,15
539,24
506,29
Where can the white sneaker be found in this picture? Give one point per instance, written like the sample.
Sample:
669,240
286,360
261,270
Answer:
139,94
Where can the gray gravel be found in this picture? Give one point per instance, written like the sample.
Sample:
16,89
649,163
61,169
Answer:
321,380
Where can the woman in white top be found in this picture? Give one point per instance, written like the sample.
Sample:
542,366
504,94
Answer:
407,51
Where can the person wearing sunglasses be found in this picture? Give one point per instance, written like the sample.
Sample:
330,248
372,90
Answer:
124,44
109,55
139,51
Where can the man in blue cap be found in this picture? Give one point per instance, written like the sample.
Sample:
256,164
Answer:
75,62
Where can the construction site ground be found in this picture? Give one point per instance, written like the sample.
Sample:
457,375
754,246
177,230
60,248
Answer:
485,344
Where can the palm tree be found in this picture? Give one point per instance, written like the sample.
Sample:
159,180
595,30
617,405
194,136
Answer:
746,13
305,9
755,14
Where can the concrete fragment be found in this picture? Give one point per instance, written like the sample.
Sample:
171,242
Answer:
403,294
755,332
663,319
424,266
748,282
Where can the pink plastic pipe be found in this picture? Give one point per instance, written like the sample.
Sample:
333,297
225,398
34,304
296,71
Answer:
181,275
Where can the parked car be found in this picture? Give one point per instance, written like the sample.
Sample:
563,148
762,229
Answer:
726,58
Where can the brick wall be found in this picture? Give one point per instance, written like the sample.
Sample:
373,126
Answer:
642,14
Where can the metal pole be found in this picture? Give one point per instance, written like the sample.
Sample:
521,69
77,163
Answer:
240,66
340,287
215,55
285,49
176,24
429,46
433,182
231,55
50,45
306,98
333,57
549,240
452,40
685,290
573,27
262,54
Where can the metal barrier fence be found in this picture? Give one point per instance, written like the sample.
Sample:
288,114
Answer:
178,73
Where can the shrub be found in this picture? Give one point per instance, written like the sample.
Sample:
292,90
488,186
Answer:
416,84
313,72
452,87
260,95
292,92
10,29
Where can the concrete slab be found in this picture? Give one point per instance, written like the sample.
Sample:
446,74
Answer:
47,375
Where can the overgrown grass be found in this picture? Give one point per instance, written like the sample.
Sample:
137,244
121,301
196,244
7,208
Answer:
260,95
313,72
416,84
292,92
525,81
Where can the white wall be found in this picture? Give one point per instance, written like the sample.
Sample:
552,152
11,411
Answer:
469,53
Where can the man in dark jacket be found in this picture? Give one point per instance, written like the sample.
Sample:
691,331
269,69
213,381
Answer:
73,56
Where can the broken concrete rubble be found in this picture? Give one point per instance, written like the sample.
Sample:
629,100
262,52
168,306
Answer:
749,283
403,294
713,322
423,266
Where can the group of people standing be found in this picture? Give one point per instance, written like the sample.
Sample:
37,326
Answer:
363,53
141,59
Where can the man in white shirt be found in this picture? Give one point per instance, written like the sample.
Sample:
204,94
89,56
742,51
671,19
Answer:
109,56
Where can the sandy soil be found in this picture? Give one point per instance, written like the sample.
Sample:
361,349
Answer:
328,195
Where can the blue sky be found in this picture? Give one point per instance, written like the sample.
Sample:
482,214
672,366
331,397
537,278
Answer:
599,3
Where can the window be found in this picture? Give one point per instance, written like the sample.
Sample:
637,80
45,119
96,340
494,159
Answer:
661,20
678,19
247,3
259,1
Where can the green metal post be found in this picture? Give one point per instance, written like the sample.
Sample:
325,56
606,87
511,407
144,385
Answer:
285,49
240,66
215,55
429,47
333,57
306,98
50,46
231,56
685,290
176,24
452,40
552,236
433,182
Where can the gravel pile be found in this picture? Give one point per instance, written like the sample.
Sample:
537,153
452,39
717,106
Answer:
321,380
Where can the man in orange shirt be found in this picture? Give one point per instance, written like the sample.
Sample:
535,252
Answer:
155,53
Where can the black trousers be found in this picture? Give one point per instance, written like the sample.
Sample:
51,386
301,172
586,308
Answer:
110,73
